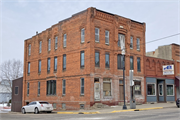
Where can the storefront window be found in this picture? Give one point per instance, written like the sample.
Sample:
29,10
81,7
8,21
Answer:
137,87
151,89
170,90
106,87
160,90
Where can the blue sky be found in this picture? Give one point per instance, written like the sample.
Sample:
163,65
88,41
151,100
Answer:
20,19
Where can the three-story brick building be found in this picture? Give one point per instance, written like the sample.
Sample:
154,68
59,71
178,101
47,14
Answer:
78,61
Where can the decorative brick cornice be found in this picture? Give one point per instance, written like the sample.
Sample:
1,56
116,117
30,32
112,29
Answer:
104,17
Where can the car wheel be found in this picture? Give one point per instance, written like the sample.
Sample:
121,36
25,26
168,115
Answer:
36,111
23,111
178,106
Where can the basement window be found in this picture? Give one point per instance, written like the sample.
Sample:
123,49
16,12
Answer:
81,106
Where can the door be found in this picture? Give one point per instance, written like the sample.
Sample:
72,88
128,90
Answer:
97,91
121,90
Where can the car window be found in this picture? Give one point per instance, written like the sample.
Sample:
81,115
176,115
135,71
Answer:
43,102
31,103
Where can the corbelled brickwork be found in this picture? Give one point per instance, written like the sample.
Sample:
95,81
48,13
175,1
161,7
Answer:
89,19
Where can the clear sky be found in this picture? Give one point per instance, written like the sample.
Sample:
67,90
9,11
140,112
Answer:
20,19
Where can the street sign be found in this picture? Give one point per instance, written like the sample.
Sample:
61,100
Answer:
131,77
168,69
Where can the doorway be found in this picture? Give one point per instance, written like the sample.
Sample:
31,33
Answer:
161,90
96,89
121,90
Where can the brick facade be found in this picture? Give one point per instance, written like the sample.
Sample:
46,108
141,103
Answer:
89,20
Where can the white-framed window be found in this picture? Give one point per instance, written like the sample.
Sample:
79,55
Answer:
96,34
82,35
29,49
64,41
131,42
64,87
170,89
38,88
82,86
49,44
40,46
151,89
107,87
138,43
106,37
56,43
160,88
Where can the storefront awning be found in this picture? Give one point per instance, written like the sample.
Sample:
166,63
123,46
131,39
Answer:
177,79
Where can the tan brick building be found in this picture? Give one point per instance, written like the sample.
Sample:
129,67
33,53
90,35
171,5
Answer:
78,61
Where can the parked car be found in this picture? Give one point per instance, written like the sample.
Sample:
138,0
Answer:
37,106
178,102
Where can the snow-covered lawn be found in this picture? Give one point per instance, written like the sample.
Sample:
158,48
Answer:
4,108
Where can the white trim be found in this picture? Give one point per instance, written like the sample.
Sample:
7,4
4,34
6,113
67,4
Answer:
173,89
162,89
147,89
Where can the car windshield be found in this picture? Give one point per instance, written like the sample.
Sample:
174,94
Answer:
43,102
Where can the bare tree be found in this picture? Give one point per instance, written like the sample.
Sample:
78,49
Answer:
10,70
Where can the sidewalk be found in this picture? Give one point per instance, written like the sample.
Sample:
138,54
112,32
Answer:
114,109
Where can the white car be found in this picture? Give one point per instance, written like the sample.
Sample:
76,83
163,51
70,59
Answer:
37,106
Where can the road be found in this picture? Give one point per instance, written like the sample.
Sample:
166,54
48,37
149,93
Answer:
159,114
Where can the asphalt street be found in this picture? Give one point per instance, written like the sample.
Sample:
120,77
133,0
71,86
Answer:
159,114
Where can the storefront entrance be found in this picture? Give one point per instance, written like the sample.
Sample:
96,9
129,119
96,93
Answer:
161,90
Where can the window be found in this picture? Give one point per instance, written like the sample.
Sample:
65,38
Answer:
131,43
138,64
48,64
29,51
160,89
106,37
138,43
151,89
107,60
56,42
64,44
96,34
40,46
51,87
120,61
137,87
121,41
16,91
28,67
97,59
131,63
106,87
64,62
121,82
38,88
54,105
49,44
63,106
170,90
82,86
55,63
39,67
82,58
64,87
82,35
28,89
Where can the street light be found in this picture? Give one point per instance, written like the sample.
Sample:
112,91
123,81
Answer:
123,53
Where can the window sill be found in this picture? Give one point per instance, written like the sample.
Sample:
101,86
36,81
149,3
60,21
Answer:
97,67
131,48
138,50
38,95
107,68
64,70
63,95
82,42
39,73
82,67
82,95
48,72
28,74
64,46
151,95
107,44
97,41
51,95
55,71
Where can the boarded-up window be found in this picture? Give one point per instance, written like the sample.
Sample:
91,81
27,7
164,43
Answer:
106,87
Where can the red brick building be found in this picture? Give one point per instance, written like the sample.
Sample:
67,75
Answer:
78,61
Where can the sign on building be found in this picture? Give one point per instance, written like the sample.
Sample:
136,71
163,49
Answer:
168,69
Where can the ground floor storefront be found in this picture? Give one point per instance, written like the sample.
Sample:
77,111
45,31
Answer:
160,90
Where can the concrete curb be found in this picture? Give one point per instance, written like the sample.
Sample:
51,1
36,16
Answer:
136,109
78,112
